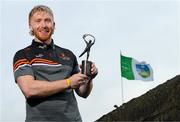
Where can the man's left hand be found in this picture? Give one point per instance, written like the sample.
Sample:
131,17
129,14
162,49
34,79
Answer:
94,71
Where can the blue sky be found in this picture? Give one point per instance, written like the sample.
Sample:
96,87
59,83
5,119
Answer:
147,30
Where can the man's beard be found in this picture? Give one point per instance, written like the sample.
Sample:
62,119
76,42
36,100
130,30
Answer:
39,34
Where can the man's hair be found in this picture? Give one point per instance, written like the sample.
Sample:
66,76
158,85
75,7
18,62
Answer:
40,8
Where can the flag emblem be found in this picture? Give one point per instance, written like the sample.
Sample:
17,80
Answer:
143,70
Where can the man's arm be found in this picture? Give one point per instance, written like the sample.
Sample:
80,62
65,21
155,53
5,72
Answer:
37,88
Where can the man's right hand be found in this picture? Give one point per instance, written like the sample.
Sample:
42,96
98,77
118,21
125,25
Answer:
77,80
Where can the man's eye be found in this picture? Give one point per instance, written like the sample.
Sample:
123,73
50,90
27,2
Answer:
38,20
48,20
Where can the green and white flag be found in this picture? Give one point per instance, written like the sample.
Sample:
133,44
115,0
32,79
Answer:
134,70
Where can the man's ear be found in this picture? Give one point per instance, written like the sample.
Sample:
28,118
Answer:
29,23
54,24
31,30
30,27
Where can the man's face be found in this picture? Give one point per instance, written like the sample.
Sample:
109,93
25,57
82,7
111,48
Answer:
42,25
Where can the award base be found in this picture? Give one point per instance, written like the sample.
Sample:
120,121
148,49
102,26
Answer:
86,68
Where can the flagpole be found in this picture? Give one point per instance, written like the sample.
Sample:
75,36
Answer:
122,90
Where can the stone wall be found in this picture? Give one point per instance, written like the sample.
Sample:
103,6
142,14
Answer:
159,104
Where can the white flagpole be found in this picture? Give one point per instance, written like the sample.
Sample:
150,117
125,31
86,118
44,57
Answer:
122,91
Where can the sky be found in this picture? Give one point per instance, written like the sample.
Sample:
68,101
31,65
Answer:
147,30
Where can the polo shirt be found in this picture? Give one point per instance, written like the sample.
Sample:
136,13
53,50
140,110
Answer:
48,63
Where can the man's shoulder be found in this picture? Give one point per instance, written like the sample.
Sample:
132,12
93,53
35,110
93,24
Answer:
22,52
65,53
62,49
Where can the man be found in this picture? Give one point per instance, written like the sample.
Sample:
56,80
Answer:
48,75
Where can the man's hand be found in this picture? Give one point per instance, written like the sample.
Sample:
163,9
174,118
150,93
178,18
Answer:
94,71
85,88
77,80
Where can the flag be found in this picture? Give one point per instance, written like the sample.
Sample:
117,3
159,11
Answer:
135,70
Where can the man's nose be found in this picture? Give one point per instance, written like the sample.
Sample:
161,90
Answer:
43,24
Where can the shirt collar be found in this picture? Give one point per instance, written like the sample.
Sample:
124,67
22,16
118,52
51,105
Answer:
42,45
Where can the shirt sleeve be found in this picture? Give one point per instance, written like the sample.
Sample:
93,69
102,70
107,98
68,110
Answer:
21,65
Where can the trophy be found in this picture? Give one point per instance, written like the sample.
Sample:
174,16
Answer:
86,65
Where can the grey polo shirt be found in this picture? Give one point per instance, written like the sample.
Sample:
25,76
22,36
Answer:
48,63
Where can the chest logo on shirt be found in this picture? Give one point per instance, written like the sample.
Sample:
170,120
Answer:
39,55
63,56
43,46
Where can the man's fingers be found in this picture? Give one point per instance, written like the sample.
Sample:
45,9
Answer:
80,65
94,70
82,76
